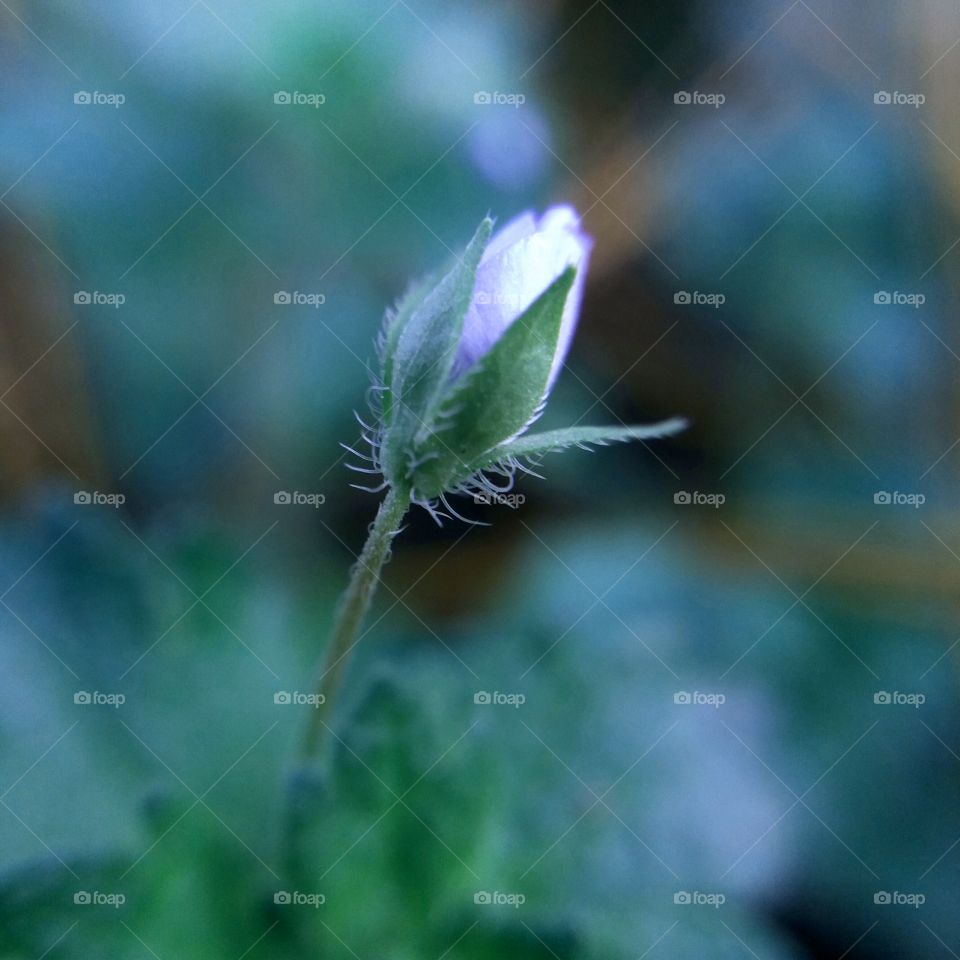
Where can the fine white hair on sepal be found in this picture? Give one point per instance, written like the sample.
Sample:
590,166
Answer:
431,507
362,456
372,436
526,467
459,516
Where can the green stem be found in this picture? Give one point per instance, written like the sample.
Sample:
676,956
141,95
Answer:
351,612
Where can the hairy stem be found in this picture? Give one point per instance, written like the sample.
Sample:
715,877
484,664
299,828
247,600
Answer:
351,612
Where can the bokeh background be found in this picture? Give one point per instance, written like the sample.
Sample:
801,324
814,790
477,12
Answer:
773,188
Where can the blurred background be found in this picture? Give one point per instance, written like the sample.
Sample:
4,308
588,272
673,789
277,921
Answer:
725,665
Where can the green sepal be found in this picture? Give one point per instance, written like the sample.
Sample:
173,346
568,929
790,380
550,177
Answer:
496,399
554,441
394,324
419,350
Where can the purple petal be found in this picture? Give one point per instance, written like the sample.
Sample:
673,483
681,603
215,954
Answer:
522,260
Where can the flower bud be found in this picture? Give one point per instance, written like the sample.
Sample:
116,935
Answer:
468,360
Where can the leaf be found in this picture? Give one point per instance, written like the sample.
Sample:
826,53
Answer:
401,811
498,397
553,441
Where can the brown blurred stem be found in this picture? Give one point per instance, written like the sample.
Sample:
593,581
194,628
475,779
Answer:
351,612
